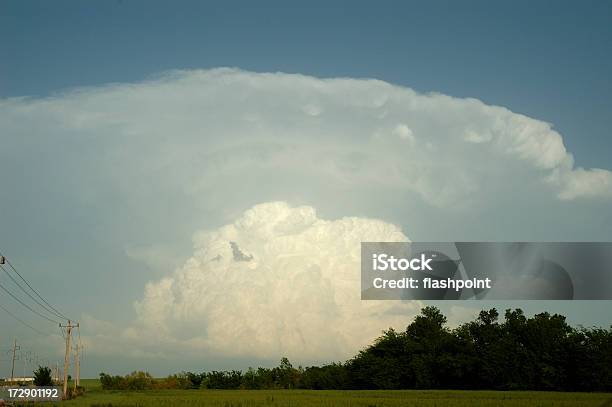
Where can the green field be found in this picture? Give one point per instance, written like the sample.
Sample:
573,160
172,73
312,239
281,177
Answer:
95,396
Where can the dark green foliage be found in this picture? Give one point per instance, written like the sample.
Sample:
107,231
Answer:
539,353
518,353
333,376
133,381
284,376
222,380
42,376
109,382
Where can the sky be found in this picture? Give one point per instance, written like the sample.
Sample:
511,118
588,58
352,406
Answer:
138,139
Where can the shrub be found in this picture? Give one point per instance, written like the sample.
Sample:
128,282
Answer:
137,380
42,376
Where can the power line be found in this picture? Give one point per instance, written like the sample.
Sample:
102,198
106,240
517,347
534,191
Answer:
43,306
31,288
27,306
22,322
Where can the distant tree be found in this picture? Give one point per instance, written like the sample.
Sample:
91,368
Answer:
287,377
42,376
538,353
519,353
195,380
137,380
429,342
333,376
222,380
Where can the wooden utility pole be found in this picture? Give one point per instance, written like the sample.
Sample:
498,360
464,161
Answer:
77,366
68,327
15,349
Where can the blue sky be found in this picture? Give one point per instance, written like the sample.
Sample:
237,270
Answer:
119,178
549,60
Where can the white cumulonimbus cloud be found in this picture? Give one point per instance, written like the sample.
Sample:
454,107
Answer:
277,281
201,126
135,168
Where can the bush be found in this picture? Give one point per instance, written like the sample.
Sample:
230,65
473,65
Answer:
137,380
42,376
183,380
75,392
109,382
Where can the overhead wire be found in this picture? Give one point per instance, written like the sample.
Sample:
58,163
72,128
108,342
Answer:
43,306
32,288
47,311
27,306
23,322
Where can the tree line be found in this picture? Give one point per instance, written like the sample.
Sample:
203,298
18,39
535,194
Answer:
518,353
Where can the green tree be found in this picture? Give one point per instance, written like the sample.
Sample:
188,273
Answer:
287,376
42,376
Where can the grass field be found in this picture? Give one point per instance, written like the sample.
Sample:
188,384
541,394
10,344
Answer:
96,397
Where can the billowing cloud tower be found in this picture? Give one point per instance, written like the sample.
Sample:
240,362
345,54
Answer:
277,281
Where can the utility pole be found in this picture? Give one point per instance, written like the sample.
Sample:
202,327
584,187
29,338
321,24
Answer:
68,327
15,349
77,366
